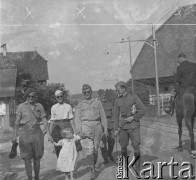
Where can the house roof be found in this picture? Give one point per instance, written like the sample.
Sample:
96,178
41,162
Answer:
176,35
7,82
30,61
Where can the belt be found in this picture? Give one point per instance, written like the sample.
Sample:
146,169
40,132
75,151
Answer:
122,115
36,124
99,119
57,120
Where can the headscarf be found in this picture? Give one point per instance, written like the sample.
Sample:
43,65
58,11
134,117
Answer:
29,91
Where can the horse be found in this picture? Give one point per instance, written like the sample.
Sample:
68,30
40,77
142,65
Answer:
185,103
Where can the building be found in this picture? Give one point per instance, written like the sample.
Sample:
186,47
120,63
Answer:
7,100
12,66
176,35
30,62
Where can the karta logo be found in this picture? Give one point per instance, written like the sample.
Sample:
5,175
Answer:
124,167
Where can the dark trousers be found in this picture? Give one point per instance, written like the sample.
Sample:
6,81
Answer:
58,126
110,140
134,135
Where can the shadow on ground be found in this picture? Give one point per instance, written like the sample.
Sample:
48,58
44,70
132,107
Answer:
10,165
187,145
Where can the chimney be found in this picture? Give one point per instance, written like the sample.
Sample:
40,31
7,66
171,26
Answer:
4,49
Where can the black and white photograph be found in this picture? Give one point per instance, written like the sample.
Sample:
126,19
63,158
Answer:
97,89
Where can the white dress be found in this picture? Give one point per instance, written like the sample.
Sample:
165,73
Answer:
68,155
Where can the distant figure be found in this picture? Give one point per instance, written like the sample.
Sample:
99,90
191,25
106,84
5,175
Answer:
185,99
185,77
61,117
110,140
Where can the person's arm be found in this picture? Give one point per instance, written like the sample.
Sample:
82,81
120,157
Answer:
140,108
178,75
45,122
70,116
77,119
60,143
116,115
77,137
104,121
52,119
17,122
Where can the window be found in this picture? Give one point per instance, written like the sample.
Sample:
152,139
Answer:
166,88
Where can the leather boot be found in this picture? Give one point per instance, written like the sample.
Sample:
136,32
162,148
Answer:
95,156
93,174
137,165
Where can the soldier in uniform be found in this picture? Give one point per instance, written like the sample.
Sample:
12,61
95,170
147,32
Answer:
110,140
90,121
126,124
185,77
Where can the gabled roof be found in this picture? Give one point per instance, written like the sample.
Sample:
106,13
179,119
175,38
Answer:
30,61
7,82
176,35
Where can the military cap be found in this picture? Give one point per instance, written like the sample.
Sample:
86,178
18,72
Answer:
182,55
85,87
120,83
58,92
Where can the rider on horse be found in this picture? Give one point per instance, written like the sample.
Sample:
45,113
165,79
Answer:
185,77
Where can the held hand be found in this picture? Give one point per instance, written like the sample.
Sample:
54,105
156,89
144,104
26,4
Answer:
116,132
14,139
129,119
106,132
50,138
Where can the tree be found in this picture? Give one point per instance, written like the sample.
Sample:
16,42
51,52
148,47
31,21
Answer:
110,94
75,103
46,95
140,89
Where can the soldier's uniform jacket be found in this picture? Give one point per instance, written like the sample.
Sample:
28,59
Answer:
123,109
186,74
108,108
90,110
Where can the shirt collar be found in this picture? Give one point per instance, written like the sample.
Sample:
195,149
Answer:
26,102
89,101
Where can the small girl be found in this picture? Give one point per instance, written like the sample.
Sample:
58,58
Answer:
68,155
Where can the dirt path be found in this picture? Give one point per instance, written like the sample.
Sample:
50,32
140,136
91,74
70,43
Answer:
158,144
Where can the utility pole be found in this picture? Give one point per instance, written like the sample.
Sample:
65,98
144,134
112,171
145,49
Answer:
129,41
156,70
156,66
131,65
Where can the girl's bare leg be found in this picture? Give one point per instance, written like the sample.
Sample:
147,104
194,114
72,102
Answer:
66,176
71,173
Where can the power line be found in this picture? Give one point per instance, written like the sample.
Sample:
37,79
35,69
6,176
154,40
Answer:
149,33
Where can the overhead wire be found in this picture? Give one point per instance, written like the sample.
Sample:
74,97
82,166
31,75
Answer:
149,32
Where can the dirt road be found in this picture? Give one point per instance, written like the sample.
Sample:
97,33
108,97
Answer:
158,145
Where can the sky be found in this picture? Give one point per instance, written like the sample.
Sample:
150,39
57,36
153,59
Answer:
79,38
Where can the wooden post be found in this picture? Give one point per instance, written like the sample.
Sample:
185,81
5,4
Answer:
132,83
156,70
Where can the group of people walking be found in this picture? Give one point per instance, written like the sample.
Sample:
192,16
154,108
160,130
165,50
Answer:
95,124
